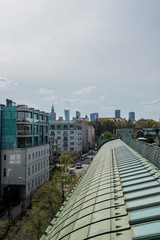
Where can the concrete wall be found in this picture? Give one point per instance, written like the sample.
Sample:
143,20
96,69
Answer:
150,152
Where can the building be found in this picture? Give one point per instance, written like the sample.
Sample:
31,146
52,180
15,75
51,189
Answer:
24,150
117,114
88,137
94,116
68,135
118,198
67,115
52,114
85,119
132,116
78,115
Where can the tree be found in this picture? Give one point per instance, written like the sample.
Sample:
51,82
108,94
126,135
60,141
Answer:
66,158
107,135
47,201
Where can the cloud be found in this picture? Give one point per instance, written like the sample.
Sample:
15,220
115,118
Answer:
76,102
4,82
48,98
151,103
85,90
151,106
102,97
44,91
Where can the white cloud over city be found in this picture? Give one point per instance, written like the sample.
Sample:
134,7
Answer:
91,56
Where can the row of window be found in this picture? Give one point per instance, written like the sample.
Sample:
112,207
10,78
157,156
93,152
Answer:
25,115
37,154
37,181
37,167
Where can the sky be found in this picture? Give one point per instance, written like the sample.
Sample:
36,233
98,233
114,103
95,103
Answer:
82,55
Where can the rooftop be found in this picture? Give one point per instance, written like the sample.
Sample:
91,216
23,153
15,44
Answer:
118,197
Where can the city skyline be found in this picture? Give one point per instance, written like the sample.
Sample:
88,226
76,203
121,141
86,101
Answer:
87,56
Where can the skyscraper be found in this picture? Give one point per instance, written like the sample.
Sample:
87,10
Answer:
78,115
67,115
132,116
53,114
117,113
94,116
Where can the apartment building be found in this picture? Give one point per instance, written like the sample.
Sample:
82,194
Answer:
88,137
24,150
67,135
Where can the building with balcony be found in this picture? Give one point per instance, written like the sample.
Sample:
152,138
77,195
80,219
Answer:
24,150
67,135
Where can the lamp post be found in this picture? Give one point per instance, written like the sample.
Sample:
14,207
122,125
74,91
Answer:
9,192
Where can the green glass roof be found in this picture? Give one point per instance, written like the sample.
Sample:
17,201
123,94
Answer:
102,206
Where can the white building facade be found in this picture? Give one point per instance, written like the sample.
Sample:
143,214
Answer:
68,136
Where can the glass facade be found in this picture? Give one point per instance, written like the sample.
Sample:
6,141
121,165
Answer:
22,128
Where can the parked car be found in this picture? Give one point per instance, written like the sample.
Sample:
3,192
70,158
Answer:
78,165
71,170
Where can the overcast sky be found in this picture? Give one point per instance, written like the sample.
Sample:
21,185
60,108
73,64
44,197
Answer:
86,55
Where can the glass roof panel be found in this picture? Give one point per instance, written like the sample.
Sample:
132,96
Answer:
150,178
145,213
147,229
135,177
143,192
144,201
140,186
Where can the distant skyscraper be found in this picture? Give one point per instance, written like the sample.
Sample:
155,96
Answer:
78,115
117,113
94,116
67,115
53,114
132,116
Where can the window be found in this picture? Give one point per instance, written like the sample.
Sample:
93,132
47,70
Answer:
58,132
71,132
5,157
36,168
29,156
65,127
28,171
71,138
4,172
32,183
32,155
28,186
59,127
36,182
36,154
32,169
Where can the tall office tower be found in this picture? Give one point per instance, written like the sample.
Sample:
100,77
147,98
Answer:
67,115
52,114
24,150
132,116
94,116
78,115
117,113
